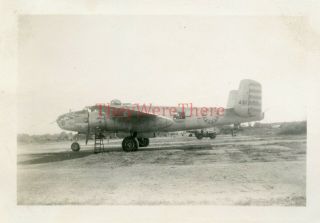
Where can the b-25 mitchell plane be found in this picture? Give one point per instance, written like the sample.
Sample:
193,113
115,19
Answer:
136,124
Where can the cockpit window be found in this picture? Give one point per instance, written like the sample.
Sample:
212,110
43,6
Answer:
115,102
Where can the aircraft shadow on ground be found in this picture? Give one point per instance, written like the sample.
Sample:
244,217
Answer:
39,158
177,147
168,148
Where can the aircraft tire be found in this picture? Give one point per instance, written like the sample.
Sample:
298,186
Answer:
212,135
136,145
143,142
130,144
199,136
75,147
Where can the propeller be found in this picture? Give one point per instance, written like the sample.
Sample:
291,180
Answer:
88,130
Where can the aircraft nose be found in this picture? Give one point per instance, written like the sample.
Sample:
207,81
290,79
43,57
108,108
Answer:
72,121
60,121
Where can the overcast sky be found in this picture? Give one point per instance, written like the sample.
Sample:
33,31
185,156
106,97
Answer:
69,62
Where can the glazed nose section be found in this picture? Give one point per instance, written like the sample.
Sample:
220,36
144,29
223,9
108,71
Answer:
61,121
65,121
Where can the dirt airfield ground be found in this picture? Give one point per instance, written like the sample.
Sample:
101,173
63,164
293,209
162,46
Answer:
241,170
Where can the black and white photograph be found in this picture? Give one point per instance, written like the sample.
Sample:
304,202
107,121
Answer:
161,110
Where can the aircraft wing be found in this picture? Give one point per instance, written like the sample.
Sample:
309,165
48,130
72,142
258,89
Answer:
137,118
127,112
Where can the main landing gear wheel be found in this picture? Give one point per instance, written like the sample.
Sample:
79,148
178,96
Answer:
199,135
130,144
75,147
212,135
143,142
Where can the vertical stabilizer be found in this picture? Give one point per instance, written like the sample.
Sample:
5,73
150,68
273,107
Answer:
249,100
232,99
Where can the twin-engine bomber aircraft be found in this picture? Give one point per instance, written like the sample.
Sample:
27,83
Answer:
136,124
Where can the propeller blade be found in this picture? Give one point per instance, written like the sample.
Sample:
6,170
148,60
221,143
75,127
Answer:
87,137
88,131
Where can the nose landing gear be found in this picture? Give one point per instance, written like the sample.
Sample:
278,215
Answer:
75,147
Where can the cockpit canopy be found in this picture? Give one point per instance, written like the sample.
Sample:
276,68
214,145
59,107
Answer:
97,107
115,102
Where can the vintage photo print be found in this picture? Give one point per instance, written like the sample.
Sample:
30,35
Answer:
170,110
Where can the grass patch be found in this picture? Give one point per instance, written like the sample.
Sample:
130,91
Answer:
293,128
